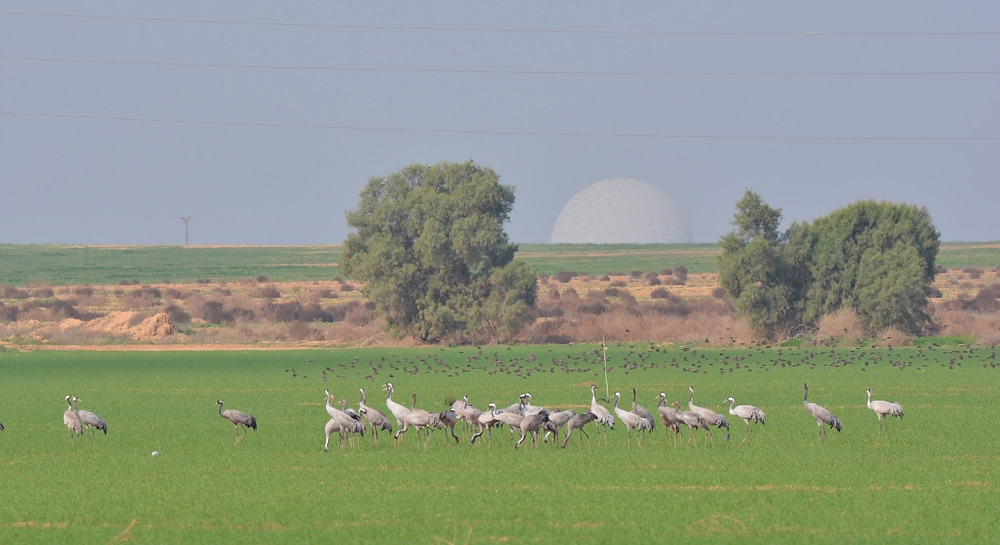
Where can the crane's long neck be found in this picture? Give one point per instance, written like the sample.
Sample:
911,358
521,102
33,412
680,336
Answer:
691,399
731,403
617,397
77,410
220,408
662,402
805,398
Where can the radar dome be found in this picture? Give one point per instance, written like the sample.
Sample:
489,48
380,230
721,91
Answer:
620,211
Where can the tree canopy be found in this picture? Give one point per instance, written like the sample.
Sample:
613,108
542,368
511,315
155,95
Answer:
876,258
431,249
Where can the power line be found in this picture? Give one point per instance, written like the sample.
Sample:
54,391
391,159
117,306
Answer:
497,30
502,72
496,132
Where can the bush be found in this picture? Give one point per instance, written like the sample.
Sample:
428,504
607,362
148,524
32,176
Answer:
10,292
269,292
8,313
177,314
659,293
565,276
719,292
681,273
44,293
636,274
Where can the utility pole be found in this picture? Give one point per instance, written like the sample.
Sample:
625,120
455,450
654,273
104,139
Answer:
185,219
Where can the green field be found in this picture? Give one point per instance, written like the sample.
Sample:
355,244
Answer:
934,481
79,265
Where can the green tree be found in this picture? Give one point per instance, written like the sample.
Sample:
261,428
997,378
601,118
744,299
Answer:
430,247
876,258
755,271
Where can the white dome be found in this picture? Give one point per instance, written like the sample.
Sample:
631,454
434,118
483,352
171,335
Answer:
618,211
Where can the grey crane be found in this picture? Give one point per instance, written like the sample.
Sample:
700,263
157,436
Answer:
89,419
238,418
531,424
884,409
711,417
642,411
485,422
693,421
577,422
418,418
748,413
603,415
332,426
446,418
631,420
71,420
397,410
348,421
822,416
559,420
530,409
669,415
376,419
512,420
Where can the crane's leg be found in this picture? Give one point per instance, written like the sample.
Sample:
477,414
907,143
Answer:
569,432
747,436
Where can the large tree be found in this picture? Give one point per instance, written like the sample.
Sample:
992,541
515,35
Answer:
755,270
877,259
431,249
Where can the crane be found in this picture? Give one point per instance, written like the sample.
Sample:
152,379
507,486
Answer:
377,420
711,417
822,416
397,410
577,422
747,413
693,421
603,415
884,409
238,418
418,418
642,411
531,424
669,415
89,419
631,420
486,421
71,420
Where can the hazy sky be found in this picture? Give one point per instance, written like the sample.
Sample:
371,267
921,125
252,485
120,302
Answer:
264,120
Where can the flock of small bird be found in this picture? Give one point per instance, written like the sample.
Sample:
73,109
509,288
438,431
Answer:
531,420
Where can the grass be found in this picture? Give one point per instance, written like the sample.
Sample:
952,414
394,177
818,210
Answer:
80,265
934,480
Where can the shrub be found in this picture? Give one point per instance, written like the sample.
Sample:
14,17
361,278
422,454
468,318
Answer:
618,284
269,292
719,292
565,276
44,293
636,274
681,273
659,293
605,278
8,313
345,287
973,272
214,313
83,291
10,292
204,280
653,281
612,292
129,282
173,293
177,314
261,279
666,272
843,325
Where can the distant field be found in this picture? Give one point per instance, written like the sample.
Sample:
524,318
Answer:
79,265
933,481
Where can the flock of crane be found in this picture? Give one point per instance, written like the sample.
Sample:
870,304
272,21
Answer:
530,420
523,416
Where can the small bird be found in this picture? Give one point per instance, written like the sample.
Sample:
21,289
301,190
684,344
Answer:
747,413
821,415
89,419
238,418
884,409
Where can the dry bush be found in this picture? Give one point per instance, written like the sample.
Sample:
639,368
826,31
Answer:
269,292
358,315
177,314
653,281
8,313
719,292
10,292
666,272
564,276
612,292
44,293
619,284
659,293
986,300
346,287
605,278
974,272
892,336
844,325
953,321
681,273
636,274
